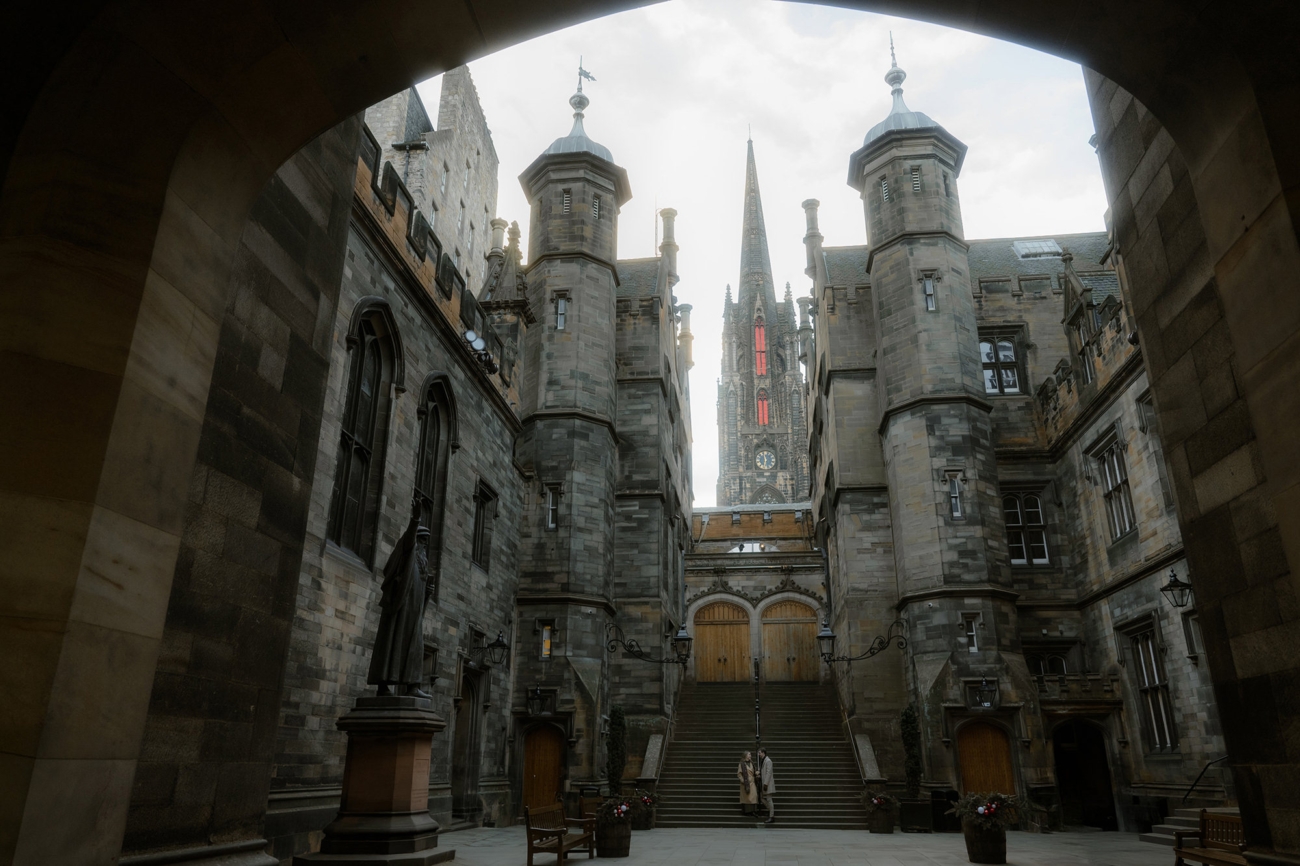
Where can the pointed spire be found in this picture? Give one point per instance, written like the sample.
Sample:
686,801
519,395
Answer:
900,116
755,262
895,78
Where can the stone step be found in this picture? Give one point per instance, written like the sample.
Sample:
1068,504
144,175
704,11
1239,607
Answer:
1182,819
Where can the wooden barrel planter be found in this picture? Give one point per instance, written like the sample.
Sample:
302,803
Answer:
643,818
881,821
613,839
984,845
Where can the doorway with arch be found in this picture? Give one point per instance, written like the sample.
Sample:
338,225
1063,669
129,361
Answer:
1083,779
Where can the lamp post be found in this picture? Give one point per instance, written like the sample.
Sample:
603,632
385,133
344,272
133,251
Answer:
987,693
614,639
826,643
1179,592
536,701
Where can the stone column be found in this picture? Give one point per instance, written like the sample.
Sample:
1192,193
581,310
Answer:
384,812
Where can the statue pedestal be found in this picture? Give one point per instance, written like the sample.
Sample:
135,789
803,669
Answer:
384,813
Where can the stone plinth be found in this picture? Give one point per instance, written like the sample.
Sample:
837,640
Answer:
384,813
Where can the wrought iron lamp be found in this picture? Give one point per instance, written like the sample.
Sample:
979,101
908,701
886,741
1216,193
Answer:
496,651
614,639
536,701
1179,592
826,643
987,692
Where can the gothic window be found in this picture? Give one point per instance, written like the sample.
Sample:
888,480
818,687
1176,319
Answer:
927,293
1026,531
566,201
437,413
1049,664
595,207
359,473
762,407
1001,367
1115,487
760,348
1153,691
485,512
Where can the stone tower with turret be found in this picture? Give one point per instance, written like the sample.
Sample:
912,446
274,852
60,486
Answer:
762,430
568,409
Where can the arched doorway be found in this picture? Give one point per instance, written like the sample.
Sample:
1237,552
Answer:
465,751
543,765
722,643
1083,775
790,643
984,754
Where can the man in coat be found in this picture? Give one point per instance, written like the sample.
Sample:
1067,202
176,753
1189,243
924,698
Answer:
768,784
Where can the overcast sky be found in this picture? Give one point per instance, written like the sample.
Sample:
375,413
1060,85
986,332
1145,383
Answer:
679,85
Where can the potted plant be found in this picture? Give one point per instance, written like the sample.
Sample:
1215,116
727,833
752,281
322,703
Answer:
913,812
881,808
614,827
643,810
984,821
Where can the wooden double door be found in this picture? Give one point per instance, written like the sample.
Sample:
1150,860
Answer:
788,643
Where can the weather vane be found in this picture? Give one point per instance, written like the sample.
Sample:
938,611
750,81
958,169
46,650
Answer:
582,73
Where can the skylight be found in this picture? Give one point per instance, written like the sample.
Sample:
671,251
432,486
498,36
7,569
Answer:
1036,249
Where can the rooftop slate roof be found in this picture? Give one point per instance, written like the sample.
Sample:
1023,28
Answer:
1104,284
638,277
995,257
847,266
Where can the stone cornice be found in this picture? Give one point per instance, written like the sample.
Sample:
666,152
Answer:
972,590
572,415
1101,593
932,399
574,254
722,587
912,235
533,599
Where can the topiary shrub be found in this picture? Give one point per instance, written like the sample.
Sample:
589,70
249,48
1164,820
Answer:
910,726
616,750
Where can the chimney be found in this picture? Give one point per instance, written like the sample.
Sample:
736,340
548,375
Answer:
684,336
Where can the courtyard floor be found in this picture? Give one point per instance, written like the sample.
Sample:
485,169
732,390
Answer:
776,847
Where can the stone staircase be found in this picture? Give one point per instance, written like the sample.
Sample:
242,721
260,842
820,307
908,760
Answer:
1182,819
817,778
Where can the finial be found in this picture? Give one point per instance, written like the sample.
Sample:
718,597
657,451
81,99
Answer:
893,61
895,77
751,132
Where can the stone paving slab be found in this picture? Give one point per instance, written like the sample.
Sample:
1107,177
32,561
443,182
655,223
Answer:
776,847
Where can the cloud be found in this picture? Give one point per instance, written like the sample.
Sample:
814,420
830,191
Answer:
680,84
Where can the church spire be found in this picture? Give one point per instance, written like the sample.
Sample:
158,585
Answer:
755,263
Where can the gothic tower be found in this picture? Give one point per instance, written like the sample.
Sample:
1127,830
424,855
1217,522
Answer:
953,573
762,434
567,411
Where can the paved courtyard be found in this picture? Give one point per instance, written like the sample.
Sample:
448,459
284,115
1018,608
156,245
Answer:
775,847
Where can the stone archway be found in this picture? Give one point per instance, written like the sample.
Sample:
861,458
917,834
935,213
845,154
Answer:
117,252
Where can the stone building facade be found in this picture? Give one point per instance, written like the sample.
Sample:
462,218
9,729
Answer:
985,467
761,420
555,482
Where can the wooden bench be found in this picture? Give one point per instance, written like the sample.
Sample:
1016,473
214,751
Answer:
1221,838
548,833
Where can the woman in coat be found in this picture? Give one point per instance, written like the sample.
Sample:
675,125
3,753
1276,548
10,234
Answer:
748,784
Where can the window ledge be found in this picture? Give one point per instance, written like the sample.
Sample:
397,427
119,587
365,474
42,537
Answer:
342,554
1126,537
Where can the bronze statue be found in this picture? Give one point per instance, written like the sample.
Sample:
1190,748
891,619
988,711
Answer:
399,646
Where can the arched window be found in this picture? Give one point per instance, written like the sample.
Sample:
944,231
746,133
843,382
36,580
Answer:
359,474
760,350
762,407
438,438
1026,530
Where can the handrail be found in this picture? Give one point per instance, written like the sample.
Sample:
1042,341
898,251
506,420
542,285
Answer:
1200,774
758,716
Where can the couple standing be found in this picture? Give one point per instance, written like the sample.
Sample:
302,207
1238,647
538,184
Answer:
753,780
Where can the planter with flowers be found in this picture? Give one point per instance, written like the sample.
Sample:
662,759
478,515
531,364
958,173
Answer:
881,811
614,827
984,821
643,810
